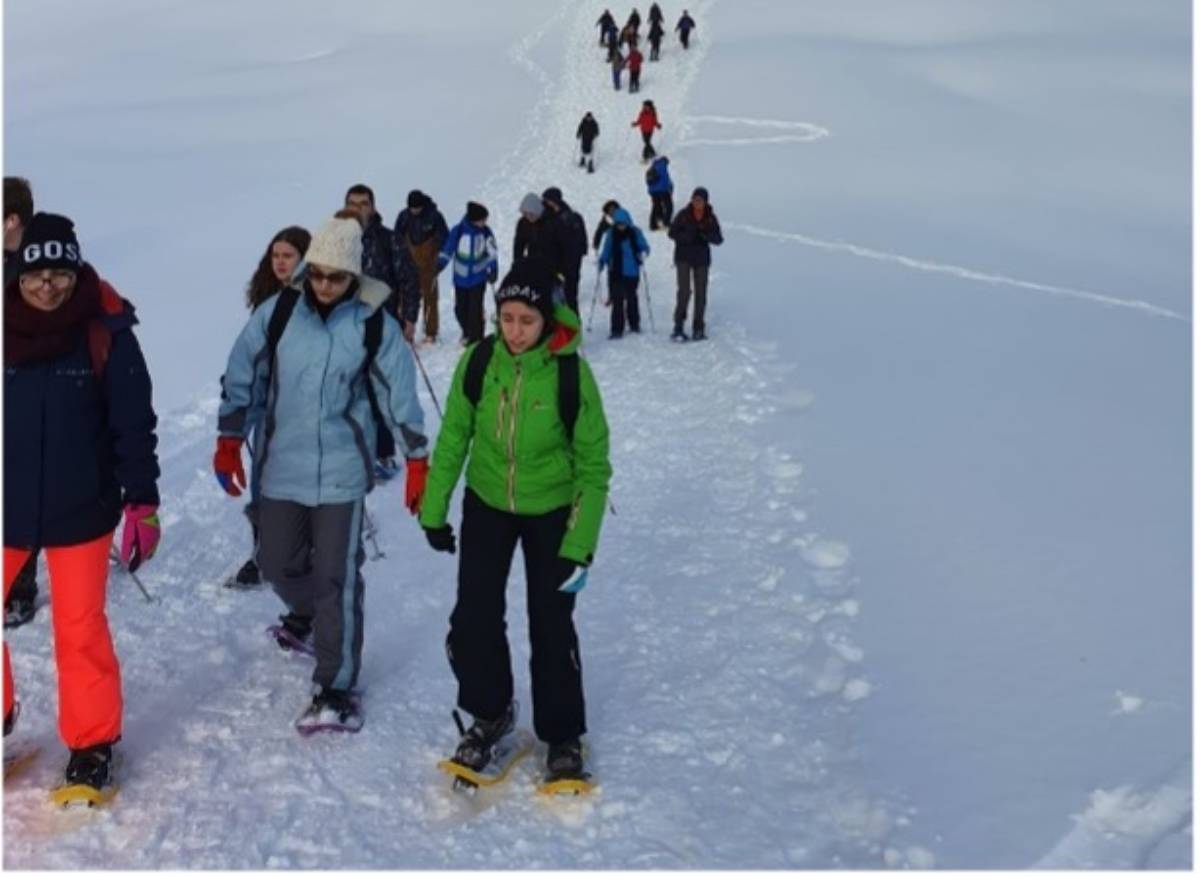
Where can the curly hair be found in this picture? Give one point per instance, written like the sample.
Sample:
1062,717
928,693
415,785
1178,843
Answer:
263,284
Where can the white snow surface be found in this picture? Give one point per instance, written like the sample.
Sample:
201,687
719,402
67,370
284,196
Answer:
890,554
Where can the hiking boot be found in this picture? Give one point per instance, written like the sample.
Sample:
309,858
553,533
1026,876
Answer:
332,710
19,610
246,577
475,747
10,718
698,335
678,334
91,766
565,759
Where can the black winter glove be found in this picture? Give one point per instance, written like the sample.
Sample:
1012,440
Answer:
441,538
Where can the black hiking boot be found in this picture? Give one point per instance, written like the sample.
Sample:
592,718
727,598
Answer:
19,610
678,334
248,576
91,766
332,710
475,747
295,633
565,760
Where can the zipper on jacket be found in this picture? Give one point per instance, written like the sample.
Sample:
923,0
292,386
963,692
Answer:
574,516
500,414
512,441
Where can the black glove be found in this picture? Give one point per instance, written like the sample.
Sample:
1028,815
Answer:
441,538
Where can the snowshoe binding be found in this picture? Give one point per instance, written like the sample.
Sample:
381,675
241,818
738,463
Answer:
487,751
332,710
90,778
293,634
565,770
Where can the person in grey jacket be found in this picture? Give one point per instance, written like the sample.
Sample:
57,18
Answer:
308,380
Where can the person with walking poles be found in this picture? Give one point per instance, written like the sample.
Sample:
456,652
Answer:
695,231
524,415
304,361
624,251
79,457
647,122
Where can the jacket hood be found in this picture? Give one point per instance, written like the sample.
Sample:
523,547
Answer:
372,293
621,217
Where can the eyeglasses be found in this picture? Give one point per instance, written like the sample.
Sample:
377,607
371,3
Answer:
336,278
60,280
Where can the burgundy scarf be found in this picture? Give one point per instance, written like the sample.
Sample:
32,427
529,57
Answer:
33,336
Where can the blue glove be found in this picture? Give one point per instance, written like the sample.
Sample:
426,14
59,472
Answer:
576,577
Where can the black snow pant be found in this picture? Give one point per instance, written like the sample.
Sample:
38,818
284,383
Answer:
655,46
586,155
571,287
468,308
683,37
687,277
635,80
662,208
622,293
313,557
477,644
24,587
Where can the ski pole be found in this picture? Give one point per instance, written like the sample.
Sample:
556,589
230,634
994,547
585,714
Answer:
649,304
425,375
595,295
370,532
112,552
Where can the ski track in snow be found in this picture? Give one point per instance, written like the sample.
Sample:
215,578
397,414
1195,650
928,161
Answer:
958,271
808,131
712,750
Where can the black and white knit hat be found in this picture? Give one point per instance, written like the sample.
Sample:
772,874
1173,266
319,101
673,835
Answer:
49,242
530,281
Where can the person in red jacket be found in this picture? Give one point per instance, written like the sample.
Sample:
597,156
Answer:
647,121
634,63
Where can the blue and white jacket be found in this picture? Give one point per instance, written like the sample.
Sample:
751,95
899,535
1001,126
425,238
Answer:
629,245
318,444
474,253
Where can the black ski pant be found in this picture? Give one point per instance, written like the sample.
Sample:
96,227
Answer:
635,81
662,208
683,37
468,308
655,46
24,587
571,287
477,644
622,293
313,557
689,277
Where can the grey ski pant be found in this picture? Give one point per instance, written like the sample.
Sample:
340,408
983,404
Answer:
685,274
313,557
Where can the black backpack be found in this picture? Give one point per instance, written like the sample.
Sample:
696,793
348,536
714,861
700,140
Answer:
568,382
372,336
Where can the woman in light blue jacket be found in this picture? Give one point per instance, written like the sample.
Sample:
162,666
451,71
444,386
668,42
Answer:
303,362
471,246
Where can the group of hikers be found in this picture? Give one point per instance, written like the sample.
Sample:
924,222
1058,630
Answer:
613,39
81,444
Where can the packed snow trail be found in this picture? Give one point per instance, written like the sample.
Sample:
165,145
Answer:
717,634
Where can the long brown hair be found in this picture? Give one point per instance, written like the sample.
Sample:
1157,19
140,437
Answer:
263,284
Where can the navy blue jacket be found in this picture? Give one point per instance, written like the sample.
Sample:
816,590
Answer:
393,265
77,447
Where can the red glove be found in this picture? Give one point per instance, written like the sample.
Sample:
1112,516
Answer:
416,473
227,464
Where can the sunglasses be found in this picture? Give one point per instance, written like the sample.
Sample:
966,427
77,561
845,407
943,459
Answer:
336,278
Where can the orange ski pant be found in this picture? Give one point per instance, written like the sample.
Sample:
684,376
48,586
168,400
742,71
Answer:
89,678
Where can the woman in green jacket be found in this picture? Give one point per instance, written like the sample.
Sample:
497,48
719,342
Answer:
524,414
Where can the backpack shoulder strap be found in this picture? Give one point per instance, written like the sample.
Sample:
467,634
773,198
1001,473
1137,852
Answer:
372,337
279,320
476,366
568,392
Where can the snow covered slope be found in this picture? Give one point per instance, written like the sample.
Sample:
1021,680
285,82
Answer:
851,609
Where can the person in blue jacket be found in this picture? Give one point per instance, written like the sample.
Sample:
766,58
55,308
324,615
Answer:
318,449
624,250
661,188
79,456
472,248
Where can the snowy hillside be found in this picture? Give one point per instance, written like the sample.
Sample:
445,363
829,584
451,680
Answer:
898,574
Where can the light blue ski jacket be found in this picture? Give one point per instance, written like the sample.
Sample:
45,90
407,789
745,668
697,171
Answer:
318,434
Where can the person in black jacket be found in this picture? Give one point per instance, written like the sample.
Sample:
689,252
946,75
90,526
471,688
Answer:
421,230
695,231
606,23
385,261
573,242
79,456
586,134
656,14
538,237
655,36
21,603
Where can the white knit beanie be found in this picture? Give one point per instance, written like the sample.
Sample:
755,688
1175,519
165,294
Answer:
338,245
